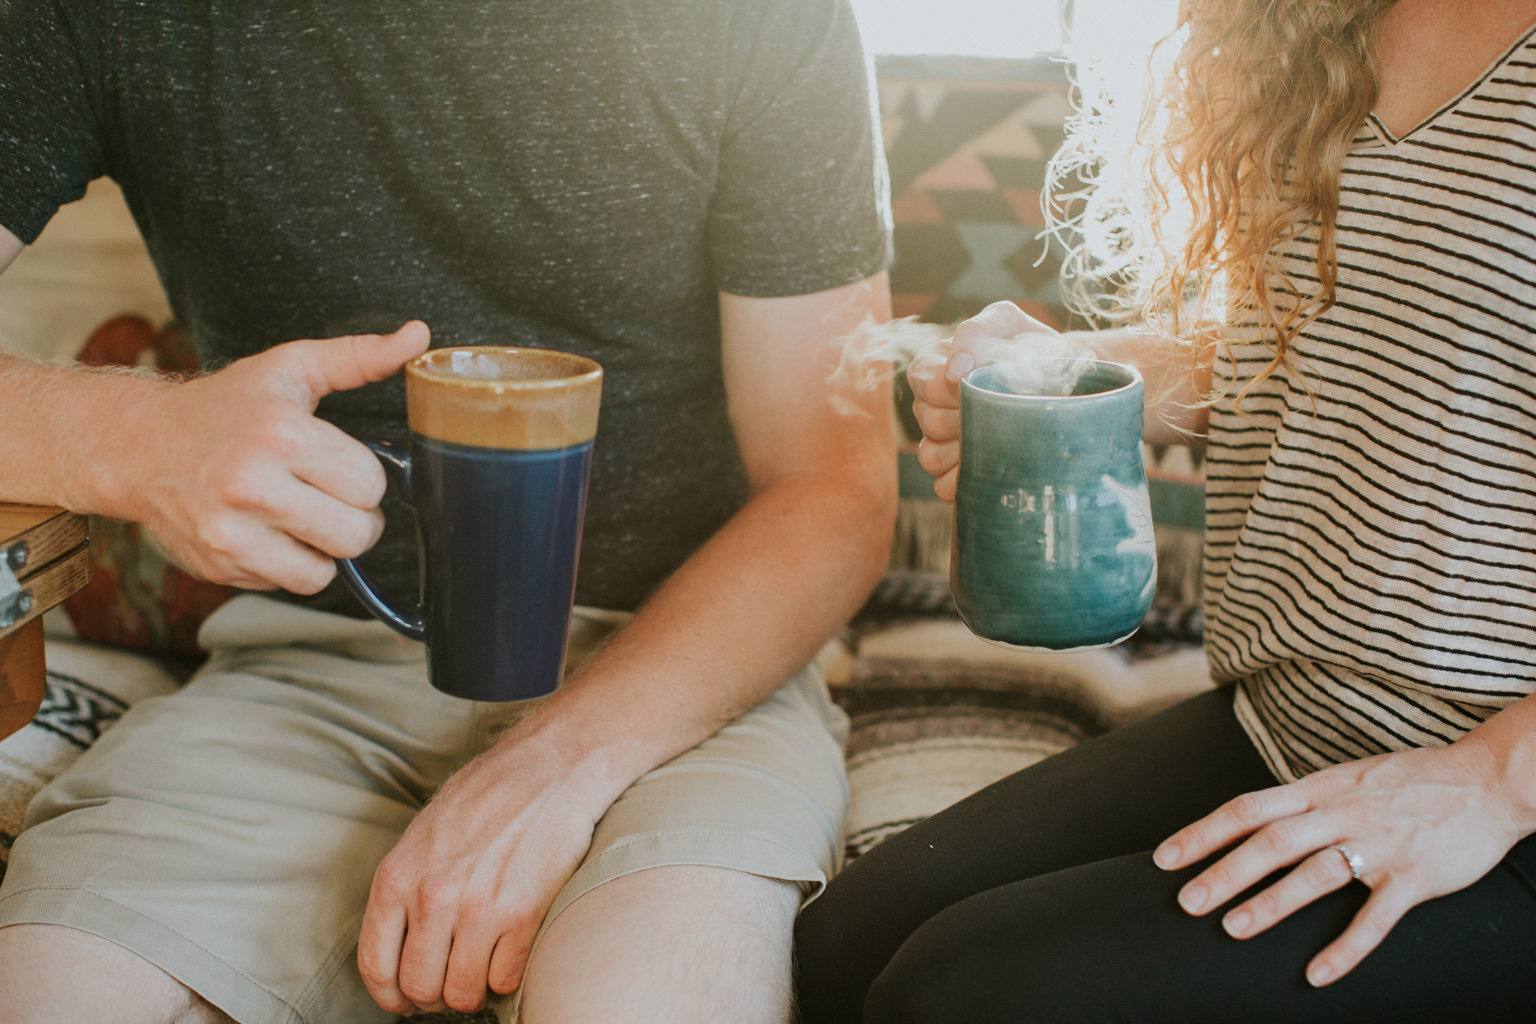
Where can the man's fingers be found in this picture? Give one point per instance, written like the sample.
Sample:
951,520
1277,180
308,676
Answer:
236,547
508,962
341,364
333,528
1323,872
1227,824
469,970
338,464
1379,916
378,953
424,958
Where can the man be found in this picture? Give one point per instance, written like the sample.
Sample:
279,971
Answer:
688,192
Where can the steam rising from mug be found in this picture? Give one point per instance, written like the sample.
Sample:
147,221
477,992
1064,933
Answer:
868,354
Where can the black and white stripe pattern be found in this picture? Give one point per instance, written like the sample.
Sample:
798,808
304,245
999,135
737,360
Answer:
1370,561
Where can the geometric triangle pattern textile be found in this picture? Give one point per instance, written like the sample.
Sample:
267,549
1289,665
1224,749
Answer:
967,141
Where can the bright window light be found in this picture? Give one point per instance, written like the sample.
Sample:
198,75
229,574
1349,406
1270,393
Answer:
973,28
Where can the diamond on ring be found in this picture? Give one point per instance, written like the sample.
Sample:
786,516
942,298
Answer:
1354,860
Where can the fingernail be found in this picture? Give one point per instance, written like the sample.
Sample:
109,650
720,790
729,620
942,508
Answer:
1192,898
960,364
1318,974
1166,856
1236,923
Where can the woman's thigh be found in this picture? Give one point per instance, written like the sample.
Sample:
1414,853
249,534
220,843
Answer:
1118,794
1107,942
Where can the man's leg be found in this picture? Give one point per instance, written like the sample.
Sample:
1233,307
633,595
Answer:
681,945
684,907
55,975
228,833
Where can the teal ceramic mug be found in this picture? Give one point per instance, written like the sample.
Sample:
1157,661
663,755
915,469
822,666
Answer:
1053,544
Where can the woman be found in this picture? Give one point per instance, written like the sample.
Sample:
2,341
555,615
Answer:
1339,832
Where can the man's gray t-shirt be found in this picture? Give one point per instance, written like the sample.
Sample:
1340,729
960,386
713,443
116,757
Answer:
581,175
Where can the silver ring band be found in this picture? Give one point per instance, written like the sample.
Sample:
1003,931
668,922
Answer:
1354,860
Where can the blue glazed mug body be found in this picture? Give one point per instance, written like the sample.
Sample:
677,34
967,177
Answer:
501,448
1053,543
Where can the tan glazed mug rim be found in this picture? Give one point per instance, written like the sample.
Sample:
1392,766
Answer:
546,399
584,371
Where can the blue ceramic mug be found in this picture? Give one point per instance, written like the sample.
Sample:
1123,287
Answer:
496,471
1053,544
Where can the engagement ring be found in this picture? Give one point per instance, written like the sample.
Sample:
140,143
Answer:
1354,860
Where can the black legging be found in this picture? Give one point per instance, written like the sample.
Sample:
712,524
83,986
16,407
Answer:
1036,900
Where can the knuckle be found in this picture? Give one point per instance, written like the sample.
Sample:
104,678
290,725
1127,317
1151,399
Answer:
1247,808
220,534
1378,920
1276,838
436,896
372,970
465,997
241,489
935,422
1265,906
1328,868
1218,877
419,992
280,435
313,577
373,482
390,879
473,915
356,535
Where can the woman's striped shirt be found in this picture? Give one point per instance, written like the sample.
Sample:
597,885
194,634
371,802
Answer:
1371,512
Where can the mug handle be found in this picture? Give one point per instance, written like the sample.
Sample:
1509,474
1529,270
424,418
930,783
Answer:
408,622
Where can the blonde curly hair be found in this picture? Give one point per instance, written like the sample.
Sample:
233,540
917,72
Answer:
1237,150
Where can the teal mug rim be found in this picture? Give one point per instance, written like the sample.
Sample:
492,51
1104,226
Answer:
967,384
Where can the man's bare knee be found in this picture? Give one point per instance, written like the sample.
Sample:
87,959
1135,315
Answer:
676,944
56,975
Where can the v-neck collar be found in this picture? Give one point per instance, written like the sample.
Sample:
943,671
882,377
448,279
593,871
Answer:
1378,127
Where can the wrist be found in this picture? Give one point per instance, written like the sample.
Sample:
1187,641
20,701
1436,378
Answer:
1503,771
120,430
585,757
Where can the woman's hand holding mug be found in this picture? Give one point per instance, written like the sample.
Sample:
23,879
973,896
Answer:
935,376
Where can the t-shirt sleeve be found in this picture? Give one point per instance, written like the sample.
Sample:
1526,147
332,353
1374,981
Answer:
50,137
802,201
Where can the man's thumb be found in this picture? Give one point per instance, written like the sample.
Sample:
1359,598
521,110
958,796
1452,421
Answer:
341,364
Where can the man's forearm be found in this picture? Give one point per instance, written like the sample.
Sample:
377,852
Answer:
68,433
51,418
737,619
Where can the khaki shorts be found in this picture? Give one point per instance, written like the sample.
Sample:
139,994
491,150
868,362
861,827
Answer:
229,833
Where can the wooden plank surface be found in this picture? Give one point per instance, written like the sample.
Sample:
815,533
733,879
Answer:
22,676
50,533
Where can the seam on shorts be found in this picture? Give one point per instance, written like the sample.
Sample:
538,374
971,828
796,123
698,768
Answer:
755,837
801,795
661,833
199,946
326,972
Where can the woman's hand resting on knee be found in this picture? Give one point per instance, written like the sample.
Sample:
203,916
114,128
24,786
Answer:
1418,824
